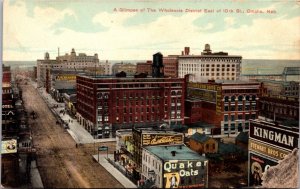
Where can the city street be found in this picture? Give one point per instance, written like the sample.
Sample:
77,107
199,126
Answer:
61,164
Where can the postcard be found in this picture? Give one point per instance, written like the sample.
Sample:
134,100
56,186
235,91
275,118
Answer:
212,85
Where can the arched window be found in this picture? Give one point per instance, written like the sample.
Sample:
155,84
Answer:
240,98
226,98
233,98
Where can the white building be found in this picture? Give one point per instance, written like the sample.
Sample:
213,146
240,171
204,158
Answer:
70,61
174,166
209,66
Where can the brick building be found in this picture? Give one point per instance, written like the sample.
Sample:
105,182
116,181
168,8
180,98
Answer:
144,67
106,104
227,105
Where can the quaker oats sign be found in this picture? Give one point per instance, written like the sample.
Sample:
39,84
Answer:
185,174
9,146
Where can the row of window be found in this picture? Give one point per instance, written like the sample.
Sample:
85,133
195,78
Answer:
239,107
239,117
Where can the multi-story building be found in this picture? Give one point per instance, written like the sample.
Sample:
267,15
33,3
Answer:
42,68
171,66
128,68
112,103
268,144
209,66
80,61
174,166
144,137
144,67
227,105
72,62
280,100
9,126
59,81
171,63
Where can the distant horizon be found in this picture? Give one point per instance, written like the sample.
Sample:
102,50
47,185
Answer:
147,59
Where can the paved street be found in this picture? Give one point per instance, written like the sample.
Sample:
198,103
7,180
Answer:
60,163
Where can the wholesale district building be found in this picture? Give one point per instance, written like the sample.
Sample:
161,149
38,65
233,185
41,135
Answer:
70,61
144,67
9,126
120,103
143,137
128,68
279,100
268,143
227,105
209,66
174,166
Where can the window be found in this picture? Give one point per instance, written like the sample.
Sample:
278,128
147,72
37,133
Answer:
232,117
225,117
225,127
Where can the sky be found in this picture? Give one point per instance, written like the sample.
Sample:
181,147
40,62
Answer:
33,27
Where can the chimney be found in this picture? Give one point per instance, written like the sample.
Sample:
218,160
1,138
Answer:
173,153
186,50
182,53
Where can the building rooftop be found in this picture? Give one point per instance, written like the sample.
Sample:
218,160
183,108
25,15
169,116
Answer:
228,148
181,152
242,137
201,138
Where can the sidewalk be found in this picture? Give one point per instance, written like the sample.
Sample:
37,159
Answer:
35,177
113,171
78,133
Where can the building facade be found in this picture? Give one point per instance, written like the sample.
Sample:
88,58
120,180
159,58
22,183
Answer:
128,68
171,66
121,103
142,138
203,144
66,62
174,166
144,67
209,66
227,105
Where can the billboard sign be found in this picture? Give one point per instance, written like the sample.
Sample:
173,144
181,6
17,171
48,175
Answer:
9,146
257,166
185,174
274,135
161,139
268,150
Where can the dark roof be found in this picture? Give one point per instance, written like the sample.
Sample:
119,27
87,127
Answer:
242,137
200,137
228,148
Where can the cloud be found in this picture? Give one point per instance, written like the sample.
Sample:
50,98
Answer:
28,37
229,21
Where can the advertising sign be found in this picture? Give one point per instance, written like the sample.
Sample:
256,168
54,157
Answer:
219,100
159,139
185,174
268,150
274,135
257,166
66,77
9,146
202,94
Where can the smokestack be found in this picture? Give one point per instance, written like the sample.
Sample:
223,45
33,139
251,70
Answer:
173,153
187,50
182,53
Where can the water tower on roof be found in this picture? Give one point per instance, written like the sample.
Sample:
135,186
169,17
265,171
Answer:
206,49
